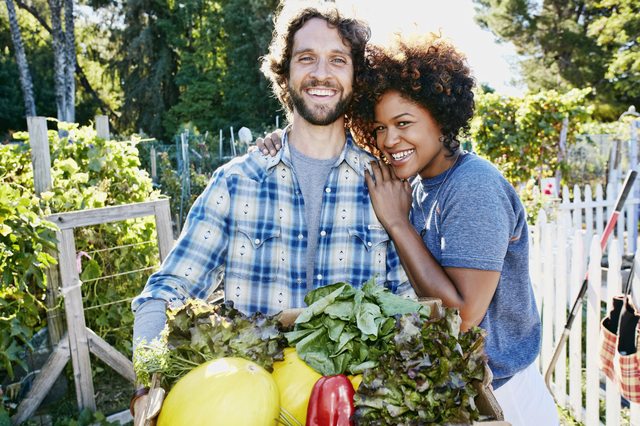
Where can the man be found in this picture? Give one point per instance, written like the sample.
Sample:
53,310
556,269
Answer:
280,226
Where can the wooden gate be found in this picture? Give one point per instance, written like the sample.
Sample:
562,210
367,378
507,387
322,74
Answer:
79,340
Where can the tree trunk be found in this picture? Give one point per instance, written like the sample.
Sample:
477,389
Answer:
21,59
70,54
59,58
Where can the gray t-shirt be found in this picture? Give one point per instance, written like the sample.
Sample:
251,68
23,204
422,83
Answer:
476,220
312,175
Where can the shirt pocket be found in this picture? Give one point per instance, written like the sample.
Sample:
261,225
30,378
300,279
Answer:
367,253
254,254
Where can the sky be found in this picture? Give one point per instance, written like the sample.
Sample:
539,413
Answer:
491,62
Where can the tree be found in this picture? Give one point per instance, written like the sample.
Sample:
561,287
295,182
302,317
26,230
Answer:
64,58
571,44
21,58
248,25
149,63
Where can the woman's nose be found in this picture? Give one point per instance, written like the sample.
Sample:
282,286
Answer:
391,139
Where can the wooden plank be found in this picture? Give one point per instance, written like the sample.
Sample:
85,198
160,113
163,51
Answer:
154,163
114,359
612,396
588,213
548,236
76,324
600,218
561,281
102,127
575,335
634,414
44,381
123,417
90,217
593,327
40,155
163,228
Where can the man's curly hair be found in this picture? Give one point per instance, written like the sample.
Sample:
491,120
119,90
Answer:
426,70
275,65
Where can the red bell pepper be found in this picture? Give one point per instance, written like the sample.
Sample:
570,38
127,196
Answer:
331,402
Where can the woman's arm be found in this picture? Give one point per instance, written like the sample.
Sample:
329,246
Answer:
469,290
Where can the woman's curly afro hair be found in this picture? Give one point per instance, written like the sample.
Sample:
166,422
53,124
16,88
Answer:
426,70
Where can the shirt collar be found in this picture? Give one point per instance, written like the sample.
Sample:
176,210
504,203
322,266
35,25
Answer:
351,154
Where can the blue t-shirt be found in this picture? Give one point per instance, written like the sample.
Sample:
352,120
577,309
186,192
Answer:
476,220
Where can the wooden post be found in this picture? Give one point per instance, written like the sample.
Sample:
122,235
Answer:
154,166
40,156
163,228
102,126
41,162
78,343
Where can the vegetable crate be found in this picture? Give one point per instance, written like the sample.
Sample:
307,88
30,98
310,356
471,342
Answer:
485,400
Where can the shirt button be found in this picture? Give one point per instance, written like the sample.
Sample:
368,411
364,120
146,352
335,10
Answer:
319,276
327,190
323,233
369,244
299,280
257,241
300,236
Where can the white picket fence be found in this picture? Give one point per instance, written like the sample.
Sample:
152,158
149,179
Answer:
589,210
559,253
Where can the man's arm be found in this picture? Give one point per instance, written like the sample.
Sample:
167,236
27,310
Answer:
190,269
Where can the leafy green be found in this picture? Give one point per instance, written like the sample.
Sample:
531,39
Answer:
198,332
424,377
345,329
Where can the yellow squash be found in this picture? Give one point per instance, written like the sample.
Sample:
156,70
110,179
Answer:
295,379
223,392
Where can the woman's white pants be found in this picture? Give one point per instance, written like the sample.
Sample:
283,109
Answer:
526,401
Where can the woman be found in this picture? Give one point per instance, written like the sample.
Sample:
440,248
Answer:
458,225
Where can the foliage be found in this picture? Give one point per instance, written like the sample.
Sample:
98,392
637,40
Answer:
573,44
25,242
38,52
88,172
95,92
535,199
196,61
521,136
425,376
344,330
199,332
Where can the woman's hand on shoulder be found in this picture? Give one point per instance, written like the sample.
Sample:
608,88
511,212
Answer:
271,143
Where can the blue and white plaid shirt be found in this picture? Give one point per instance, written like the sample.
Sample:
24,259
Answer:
249,222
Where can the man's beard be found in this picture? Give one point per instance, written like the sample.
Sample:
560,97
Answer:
322,116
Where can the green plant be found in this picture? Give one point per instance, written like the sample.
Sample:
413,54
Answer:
87,172
521,136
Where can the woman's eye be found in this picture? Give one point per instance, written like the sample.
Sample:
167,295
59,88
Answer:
403,123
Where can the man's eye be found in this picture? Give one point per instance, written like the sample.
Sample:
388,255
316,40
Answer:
340,60
305,59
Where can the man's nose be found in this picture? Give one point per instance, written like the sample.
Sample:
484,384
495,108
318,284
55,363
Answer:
321,70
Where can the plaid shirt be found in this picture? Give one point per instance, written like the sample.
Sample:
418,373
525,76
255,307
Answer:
249,222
